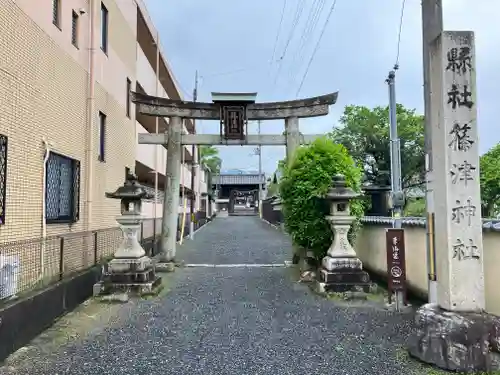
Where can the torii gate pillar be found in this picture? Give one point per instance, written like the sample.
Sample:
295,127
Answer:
292,134
172,194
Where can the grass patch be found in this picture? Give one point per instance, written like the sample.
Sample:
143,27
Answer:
402,356
335,296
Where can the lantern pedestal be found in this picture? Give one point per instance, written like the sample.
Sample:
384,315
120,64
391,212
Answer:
131,271
130,267
341,270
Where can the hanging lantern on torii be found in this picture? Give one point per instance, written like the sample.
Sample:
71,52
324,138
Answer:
233,113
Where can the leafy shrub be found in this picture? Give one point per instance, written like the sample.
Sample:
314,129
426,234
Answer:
304,186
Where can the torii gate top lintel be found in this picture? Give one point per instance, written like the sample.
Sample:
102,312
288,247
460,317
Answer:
229,97
301,108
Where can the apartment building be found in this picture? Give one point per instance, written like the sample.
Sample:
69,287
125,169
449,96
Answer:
68,130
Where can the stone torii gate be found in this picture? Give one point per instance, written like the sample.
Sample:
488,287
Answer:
233,110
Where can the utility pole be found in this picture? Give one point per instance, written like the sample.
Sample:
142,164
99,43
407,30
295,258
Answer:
194,155
432,27
260,172
396,185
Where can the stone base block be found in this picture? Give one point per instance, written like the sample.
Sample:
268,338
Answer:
344,281
344,277
116,291
462,342
115,297
165,267
357,291
338,264
129,264
131,277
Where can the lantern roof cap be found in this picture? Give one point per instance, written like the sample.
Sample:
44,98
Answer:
131,190
339,190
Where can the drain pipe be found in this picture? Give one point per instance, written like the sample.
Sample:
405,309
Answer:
47,149
89,152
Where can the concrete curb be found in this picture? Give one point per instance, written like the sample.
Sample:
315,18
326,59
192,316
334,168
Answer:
272,225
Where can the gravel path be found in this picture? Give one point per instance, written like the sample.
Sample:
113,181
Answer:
237,240
234,321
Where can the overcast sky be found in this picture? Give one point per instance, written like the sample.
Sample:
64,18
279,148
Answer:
357,50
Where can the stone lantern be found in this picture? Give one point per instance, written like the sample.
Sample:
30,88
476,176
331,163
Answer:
341,270
130,270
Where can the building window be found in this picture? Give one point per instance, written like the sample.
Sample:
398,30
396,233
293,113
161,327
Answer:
74,29
3,176
56,13
129,88
104,28
62,194
102,136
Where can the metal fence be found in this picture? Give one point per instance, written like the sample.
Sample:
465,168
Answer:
31,264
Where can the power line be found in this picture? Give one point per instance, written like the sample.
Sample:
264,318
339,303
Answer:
332,8
185,92
311,23
298,12
279,29
396,64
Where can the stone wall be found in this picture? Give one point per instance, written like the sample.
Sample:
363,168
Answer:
371,249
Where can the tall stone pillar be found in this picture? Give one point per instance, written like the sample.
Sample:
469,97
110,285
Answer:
292,136
454,333
458,227
172,199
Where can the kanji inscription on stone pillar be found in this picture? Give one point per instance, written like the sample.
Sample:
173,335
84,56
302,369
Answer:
459,245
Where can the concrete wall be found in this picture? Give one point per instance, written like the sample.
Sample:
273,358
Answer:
371,249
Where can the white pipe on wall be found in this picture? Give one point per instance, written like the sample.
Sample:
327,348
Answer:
89,152
47,149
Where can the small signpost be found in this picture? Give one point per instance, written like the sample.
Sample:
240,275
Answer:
396,266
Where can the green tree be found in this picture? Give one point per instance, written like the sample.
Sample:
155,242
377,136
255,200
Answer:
304,185
415,207
365,134
273,183
490,181
272,186
209,156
